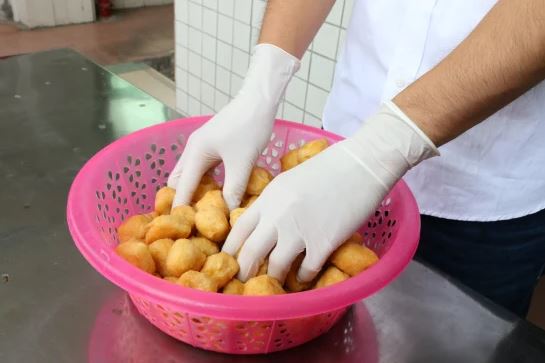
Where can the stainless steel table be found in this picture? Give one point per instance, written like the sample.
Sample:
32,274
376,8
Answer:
57,109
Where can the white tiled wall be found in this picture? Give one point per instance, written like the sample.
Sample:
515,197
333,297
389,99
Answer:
214,40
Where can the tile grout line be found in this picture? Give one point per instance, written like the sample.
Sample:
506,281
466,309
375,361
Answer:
200,61
216,59
337,47
232,45
187,58
307,84
228,70
311,50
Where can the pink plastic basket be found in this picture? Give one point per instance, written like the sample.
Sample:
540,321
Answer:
121,180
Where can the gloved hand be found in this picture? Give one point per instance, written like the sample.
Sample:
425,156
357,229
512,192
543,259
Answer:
240,131
317,205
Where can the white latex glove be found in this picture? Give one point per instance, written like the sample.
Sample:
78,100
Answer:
317,205
240,131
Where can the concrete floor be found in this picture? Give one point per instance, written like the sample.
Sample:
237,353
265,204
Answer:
132,43
128,36
126,43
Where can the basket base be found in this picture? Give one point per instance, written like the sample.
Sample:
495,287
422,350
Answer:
233,336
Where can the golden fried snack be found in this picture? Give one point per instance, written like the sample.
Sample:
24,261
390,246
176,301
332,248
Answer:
133,227
183,256
356,238
310,149
185,212
233,216
263,285
353,258
213,199
259,179
212,224
263,268
159,251
206,246
137,254
163,200
289,160
247,201
198,280
207,183
222,267
330,276
167,226
234,287
292,284
171,279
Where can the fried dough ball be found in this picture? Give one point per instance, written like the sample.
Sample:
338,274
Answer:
207,183
263,285
259,179
213,199
185,212
183,256
234,287
198,280
163,200
206,246
289,160
171,279
353,258
292,284
310,149
247,201
167,226
263,268
159,251
137,254
356,238
222,267
134,227
212,224
233,216
330,276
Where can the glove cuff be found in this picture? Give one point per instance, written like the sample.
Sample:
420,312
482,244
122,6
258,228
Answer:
389,144
271,69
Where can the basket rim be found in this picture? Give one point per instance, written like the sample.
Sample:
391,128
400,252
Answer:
236,307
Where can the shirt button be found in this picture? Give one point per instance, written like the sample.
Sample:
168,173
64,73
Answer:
400,83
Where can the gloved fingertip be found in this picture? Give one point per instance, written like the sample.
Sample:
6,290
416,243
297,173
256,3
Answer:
306,274
179,199
240,233
278,268
233,201
247,271
172,181
236,178
229,249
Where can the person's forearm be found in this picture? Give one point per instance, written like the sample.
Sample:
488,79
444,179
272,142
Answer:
500,60
292,24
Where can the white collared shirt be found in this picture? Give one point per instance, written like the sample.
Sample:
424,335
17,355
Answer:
494,171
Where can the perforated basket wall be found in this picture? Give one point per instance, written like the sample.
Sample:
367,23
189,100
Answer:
122,180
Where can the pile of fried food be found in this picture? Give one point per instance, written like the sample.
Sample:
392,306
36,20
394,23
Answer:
182,245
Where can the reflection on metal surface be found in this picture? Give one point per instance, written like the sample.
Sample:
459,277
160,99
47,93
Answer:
120,334
56,110
123,108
